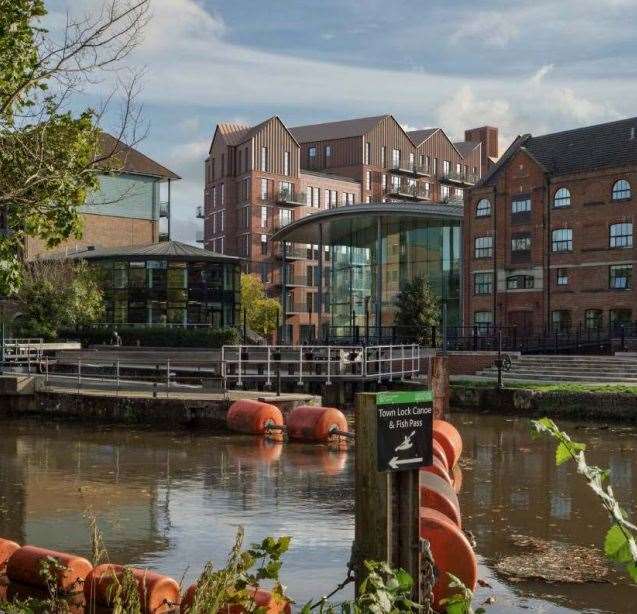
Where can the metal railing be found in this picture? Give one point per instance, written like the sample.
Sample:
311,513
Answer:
466,178
325,363
26,351
164,209
408,191
290,197
199,212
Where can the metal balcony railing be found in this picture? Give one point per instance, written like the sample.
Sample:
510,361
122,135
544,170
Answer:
459,178
296,308
409,168
164,209
199,212
290,197
292,252
403,190
293,281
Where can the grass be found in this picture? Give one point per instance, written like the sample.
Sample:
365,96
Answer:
564,387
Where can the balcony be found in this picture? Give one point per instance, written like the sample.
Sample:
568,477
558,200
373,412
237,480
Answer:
292,281
409,168
461,179
164,236
164,209
296,308
290,198
199,236
199,214
412,192
292,252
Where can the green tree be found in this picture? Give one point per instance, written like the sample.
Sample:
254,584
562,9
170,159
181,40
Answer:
418,309
262,313
49,156
57,294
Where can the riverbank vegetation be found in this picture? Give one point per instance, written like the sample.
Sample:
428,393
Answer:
559,387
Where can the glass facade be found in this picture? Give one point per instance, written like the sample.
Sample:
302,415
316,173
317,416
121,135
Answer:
170,291
373,257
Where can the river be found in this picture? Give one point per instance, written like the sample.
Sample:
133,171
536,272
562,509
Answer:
172,501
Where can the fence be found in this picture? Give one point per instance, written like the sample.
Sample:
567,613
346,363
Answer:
21,351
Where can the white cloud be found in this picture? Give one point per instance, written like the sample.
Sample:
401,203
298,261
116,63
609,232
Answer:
492,29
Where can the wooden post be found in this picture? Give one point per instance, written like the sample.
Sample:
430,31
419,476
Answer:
440,385
386,504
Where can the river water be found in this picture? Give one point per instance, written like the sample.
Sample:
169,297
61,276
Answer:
172,501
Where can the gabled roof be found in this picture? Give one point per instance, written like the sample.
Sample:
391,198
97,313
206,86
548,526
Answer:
504,158
234,134
336,130
418,137
466,147
166,249
127,159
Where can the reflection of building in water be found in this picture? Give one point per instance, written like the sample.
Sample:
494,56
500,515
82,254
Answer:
12,499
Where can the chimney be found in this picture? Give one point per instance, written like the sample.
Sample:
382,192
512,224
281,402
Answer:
488,136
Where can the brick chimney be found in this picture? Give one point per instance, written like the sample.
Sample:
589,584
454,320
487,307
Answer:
488,136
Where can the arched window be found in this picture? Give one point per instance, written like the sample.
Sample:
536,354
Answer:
621,190
562,198
483,208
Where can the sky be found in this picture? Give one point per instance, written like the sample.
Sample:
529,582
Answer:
535,67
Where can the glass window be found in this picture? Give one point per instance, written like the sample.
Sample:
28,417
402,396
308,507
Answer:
483,247
286,163
264,158
620,316
562,240
482,321
483,208
562,277
445,167
621,190
444,191
562,198
264,245
593,319
311,153
521,205
621,235
482,283
368,180
521,244
368,153
285,217
561,320
395,158
383,155
621,276
520,282
264,189
328,151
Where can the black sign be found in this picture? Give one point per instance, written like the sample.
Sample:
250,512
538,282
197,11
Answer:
404,430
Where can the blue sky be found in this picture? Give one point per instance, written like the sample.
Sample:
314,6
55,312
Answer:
522,66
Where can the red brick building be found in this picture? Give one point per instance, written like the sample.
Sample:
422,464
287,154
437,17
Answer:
548,232
260,178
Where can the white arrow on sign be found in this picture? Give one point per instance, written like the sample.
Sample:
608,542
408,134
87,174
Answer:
394,463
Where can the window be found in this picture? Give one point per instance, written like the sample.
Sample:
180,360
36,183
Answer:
368,180
222,217
561,278
264,189
286,163
309,277
245,190
621,276
311,154
458,168
521,205
434,166
520,282
223,165
482,283
264,245
264,159
285,189
212,169
245,245
412,162
328,151
368,199
562,240
383,182
521,244
621,235
245,217
285,217
245,160
427,163
561,320
483,208
264,217
383,156
621,190
482,320
313,197
240,160
445,168
562,198
618,317
593,319
395,158
368,153
331,198
350,198
221,195
214,196
483,247
444,191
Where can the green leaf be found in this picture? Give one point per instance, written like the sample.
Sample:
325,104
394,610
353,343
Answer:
631,568
562,454
616,545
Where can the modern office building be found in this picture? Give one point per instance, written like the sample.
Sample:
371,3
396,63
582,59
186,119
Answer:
167,283
548,232
374,249
132,206
262,178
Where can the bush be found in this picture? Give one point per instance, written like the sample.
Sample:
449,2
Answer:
157,336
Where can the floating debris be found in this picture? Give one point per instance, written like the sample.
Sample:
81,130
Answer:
552,561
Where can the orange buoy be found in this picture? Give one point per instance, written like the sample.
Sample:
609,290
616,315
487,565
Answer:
25,567
449,438
452,552
439,452
262,599
456,479
439,495
439,469
315,423
253,417
7,548
263,451
157,593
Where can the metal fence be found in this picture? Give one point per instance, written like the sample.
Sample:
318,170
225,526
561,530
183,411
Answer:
21,351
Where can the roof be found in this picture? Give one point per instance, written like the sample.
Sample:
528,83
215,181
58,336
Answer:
466,147
336,130
504,158
418,137
172,250
233,133
306,229
327,175
130,160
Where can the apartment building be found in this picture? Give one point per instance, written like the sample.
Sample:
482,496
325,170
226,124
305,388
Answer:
548,232
261,178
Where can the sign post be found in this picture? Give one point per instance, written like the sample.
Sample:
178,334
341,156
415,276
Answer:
393,440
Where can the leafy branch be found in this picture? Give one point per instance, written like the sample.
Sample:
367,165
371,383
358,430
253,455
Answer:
620,544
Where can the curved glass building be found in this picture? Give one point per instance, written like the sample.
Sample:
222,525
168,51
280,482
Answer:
368,252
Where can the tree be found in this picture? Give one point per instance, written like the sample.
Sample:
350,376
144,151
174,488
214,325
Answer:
418,309
57,294
262,313
50,157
